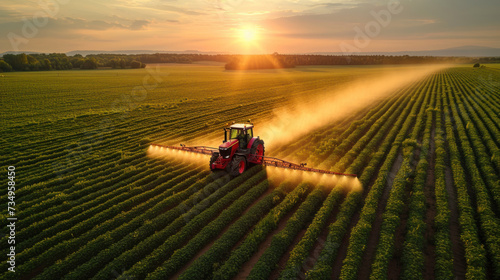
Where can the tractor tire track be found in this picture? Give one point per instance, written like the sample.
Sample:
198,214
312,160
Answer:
371,247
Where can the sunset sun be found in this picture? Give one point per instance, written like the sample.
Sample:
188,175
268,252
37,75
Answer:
248,34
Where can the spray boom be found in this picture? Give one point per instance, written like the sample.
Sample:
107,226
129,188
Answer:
266,161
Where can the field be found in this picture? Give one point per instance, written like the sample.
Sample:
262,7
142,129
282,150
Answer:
94,201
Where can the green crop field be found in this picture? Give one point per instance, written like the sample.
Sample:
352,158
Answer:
93,202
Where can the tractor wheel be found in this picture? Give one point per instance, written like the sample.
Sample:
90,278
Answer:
238,166
259,150
214,157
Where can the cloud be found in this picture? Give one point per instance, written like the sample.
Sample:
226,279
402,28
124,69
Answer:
139,24
8,14
418,19
79,23
179,10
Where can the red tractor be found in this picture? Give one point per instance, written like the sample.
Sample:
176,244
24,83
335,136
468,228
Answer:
238,150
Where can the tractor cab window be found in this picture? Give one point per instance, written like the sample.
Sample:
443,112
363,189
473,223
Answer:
235,133
250,132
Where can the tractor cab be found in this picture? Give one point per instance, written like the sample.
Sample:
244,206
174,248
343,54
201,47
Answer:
241,132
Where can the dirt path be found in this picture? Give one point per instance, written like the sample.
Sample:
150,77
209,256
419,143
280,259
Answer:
282,263
319,244
248,266
371,247
395,264
342,252
430,201
208,246
459,263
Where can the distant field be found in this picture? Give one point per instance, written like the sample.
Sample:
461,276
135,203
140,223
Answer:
92,203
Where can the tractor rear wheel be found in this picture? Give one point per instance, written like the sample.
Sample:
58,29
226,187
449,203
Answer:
238,166
258,150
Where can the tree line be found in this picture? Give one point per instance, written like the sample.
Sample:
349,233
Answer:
60,61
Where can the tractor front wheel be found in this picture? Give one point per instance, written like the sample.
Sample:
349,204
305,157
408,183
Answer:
238,166
213,159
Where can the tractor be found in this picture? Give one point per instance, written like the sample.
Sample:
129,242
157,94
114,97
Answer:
239,150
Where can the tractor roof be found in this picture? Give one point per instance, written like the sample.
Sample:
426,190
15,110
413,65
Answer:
241,126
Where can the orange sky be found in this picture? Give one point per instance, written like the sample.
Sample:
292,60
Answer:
245,26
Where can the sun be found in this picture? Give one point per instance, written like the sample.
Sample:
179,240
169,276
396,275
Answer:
248,34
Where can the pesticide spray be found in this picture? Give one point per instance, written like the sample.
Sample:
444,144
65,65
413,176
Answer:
329,181
288,125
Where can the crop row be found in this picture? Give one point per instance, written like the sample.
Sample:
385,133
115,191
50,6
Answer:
484,119
396,201
251,243
121,198
443,268
209,232
489,223
301,251
163,218
221,199
390,146
64,243
281,241
475,254
414,242
114,237
365,129
204,266
484,160
88,195
41,192
322,151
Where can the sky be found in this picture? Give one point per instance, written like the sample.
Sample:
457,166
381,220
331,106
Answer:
248,26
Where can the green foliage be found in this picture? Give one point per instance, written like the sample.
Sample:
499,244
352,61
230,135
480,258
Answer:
97,204
281,241
259,233
4,66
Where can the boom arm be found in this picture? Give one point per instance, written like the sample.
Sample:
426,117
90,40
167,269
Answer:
195,149
268,161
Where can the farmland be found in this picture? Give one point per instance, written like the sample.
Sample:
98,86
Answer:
93,201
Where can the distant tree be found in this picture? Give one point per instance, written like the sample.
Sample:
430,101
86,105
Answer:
477,65
112,63
4,66
122,63
65,63
233,64
33,63
31,59
46,65
19,62
89,63
135,64
76,62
